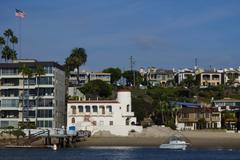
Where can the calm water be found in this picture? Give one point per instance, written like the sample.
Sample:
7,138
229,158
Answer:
117,153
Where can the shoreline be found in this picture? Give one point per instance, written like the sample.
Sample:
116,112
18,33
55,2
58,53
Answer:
197,140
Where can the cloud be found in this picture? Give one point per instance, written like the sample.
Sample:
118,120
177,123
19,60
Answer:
150,42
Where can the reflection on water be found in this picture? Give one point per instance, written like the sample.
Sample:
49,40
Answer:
116,153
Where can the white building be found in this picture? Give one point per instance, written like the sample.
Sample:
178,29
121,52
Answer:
115,116
183,74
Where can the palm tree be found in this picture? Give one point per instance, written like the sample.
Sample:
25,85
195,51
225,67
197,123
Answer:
77,58
13,40
26,72
8,33
6,53
13,55
39,71
2,42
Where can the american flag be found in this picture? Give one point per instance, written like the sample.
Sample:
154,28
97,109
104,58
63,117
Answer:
20,13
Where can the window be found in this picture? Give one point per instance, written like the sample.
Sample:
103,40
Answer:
111,123
48,69
80,109
46,91
45,113
95,109
87,108
128,108
73,109
47,124
127,121
207,115
73,120
9,71
109,109
9,103
45,80
30,81
188,124
102,109
185,115
94,123
45,103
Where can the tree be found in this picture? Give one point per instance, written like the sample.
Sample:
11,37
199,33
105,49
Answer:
26,72
115,74
77,58
13,55
8,33
2,42
6,53
39,71
189,81
129,77
97,88
13,40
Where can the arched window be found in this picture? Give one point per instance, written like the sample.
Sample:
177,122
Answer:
73,120
95,109
80,109
128,108
109,109
73,109
127,121
102,109
87,108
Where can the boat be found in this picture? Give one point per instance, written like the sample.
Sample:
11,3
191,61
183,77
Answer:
175,143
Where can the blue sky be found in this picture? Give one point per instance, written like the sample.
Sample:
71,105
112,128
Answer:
160,33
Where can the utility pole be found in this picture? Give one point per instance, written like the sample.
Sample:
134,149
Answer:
132,62
196,63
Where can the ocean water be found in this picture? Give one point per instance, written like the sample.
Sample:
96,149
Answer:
117,153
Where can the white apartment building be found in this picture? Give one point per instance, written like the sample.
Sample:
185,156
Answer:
18,95
115,116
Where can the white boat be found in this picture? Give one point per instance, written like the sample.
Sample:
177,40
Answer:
175,144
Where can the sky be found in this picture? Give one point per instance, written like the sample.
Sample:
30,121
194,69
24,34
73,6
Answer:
160,33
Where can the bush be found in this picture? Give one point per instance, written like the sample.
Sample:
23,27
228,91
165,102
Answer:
18,133
171,124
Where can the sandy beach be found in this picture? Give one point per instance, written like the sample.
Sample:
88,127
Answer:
208,139
153,137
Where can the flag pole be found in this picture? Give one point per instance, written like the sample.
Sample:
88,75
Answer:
20,36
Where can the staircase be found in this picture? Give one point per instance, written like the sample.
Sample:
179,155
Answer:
33,137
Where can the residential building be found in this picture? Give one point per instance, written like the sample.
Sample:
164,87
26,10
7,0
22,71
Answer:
19,95
115,116
209,78
183,74
193,116
230,110
156,77
85,77
232,77
227,102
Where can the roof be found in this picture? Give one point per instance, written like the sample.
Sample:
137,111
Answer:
123,90
188,105
197,110
31,64
227,100
93,101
